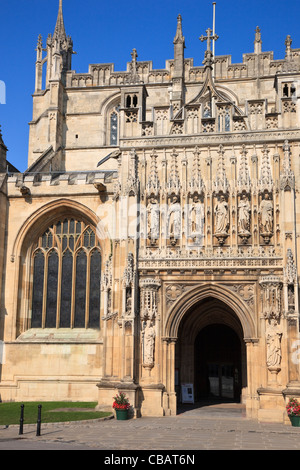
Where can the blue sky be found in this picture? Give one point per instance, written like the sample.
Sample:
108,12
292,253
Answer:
107,31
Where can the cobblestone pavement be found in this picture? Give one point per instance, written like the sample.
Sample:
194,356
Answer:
206,428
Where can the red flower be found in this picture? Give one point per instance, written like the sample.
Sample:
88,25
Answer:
121,402
293,407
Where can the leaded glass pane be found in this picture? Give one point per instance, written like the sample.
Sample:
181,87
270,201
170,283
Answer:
38,288
72,226
95,275
66,290
52,281
227,123
114,129
80,290
68,305
65,226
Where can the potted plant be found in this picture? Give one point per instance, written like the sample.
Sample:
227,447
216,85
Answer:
293,411
121,405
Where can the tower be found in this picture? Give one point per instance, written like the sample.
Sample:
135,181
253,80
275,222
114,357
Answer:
45,140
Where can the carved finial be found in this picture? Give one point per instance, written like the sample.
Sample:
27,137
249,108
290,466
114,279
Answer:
197,185
153,185
208,61
179,38
133,76
221,183
174,185
258,41
288,44
244,181
266,180
287,177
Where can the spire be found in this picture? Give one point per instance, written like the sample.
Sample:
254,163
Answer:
177,95
60,32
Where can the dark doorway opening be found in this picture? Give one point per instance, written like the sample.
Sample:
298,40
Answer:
218,364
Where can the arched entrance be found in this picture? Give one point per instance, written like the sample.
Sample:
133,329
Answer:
218,364
210,353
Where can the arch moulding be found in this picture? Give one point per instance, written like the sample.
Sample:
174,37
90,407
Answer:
47,214
221,293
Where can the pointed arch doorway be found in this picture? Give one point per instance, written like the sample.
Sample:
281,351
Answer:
210,353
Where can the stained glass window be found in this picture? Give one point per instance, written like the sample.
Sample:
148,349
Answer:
114,128
66,277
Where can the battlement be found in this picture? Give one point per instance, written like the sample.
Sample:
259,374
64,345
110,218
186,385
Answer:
253,65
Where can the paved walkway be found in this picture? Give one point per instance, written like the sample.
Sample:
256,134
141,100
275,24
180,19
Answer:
206,428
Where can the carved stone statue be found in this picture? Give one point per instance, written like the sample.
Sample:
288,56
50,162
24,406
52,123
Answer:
153,220
174,222
244,215
266,215
274,355
148,343
222,216
196,218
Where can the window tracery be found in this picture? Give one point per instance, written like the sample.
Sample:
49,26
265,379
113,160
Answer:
66,272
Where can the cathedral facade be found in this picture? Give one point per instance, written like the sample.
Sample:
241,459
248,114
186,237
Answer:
152,242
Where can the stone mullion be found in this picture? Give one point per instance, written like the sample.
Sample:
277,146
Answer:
27,320
59,279
73,290
45,289
87,288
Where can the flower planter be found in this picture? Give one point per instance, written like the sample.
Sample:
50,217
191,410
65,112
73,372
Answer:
295,420
121,415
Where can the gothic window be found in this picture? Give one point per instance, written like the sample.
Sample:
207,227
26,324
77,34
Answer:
114,126
128,101
224,120
289,90
131,101
66,277
207,113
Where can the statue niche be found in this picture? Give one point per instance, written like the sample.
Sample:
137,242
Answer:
153,220
196,220
222,222
266,217
174,220
244,218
